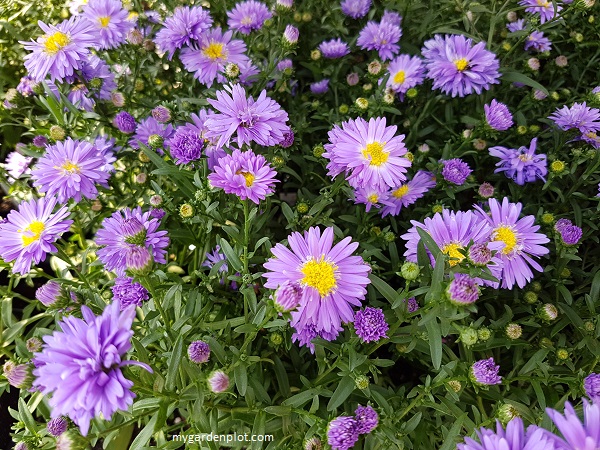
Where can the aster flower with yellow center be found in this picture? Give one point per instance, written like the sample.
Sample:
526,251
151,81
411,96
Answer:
331,279
110,21
544,8
185,26
29,233
405,72
516,239
407,193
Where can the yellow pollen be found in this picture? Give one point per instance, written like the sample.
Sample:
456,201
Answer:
505,234
104,21
461,64
69,167
374,152
319,275
247,176
543,3
32,233
214,51
400,77
55,42
523,157
453,251
401,191
373,198
246,20
591,135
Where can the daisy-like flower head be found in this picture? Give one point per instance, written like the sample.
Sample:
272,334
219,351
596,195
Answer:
186,144
382,36
127,228
485,372
405,72
545,8
456,171
498,116
85,360
211,150
515,26
457,67
517,241
209,56
522,165
451,231
109,20
150,127
368,152
71,169
369,197
185,26
538,42
320,87
332,280
247,16
366,418
17,164
405,194
244,174
578,435
96,74
580,116
126,292
60,50
30,232
262,120
515,437
356,8
334,48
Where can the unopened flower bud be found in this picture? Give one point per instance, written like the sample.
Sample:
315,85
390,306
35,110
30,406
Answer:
362,382
468,336
507,412
513,331
57,133
548,312
410,271
362,103
186,211
155,141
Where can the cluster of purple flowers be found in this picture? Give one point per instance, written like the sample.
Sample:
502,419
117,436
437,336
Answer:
581,117
522,165
569,234
343,432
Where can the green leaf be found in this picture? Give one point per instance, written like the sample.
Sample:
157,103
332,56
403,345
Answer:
231,255
341,393
450,438
429,242
537,358
173,364
384,289
435,342
513,76
122,439
595,290
26,417
278,410
144,436
241,378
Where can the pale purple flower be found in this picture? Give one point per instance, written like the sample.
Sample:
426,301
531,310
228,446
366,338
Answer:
218,381
288,296
110,22
127,292
498,116
382,36
199,352
57,426
16,164
591,385
150,127
26,86
405,72
514,438
247,16
462,290
186,144
370,324
334,48
545,8
515,26
320,87
125,122
405,194
579,116
485,372
342,433
291,34
578,435
185,26
355,8
49,293
538,42
522,165
456,171
366,418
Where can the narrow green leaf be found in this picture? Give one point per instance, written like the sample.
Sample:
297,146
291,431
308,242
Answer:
513,76
450,438
26,417
435,342
232,256
384,289
173,364
341,393
144,436
241,378
429,242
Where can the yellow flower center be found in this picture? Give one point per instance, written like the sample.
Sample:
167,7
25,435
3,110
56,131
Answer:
400,77
246,20
214,51
32,233
55,42
591,135
247,176
69,167
507,235
104,21
401,191
523,157
453,251
374,152
543,3
319,275
461,64
373,198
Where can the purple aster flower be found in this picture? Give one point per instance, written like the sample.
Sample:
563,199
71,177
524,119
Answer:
288,139
199,352
49,294
451,231
218,381
110,22
591,384
291,34
262,120
462,290
456,171
369,197
244,174
288,296
334,48
333,281
208,57
514,438
84,360
366,418
498,116
71,169
162,114
157,213
515,26
21,446
17,164
368,153
457,67
247,16
115,240
40,141
411,305
126,292
382,36
211,150
391,17
485,372
304,335
186,144
284,64
486,190
17,375
405,72
215,257
370,324
561,224
342,433
149,127
26,86
405,194
571,235
479,255
97,75
184,27
520,241
124,122
356,8
59,51
57,426
30,232
320,87
544,8
579,116
591,138
522,165
538,42
577,435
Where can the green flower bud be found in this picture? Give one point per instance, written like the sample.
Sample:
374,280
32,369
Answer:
57,133
389,236
530,297
362,382
343,109
142,157
276,338
468,336
455,385
506,413
411,93
483,334
362,103
410,271
513,331
562,354
302,207
546,343
548,312
318,150
155,141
